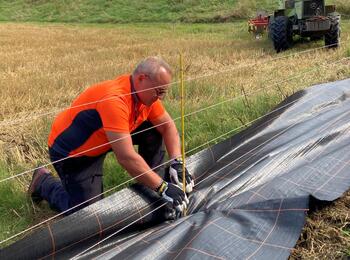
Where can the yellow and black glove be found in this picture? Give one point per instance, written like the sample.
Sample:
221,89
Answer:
174,195
175,173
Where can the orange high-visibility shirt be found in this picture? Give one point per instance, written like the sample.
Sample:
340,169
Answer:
107,106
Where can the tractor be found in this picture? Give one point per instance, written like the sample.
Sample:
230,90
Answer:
306,18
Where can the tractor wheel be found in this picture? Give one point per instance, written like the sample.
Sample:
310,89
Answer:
281,33
332,37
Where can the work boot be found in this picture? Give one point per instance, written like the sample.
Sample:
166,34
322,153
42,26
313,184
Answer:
34,187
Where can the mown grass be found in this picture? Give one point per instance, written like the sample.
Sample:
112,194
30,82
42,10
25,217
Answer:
104,11
44,67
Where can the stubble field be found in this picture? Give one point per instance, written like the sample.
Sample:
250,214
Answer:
45,66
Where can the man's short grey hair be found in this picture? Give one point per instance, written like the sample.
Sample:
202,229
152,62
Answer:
151,67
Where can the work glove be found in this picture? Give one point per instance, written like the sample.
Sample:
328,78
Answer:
174,195
175,172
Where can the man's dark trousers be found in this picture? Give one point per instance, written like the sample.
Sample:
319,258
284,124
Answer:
81,177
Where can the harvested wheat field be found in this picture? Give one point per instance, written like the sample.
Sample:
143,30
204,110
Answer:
44,66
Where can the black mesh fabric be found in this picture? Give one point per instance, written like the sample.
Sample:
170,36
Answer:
251,196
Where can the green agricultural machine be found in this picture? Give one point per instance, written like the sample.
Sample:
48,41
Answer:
306,18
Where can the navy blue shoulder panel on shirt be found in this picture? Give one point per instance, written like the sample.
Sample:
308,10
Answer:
83,126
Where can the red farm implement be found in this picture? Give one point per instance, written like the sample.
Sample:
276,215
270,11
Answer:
259,25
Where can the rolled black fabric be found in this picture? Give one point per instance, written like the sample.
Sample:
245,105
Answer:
251,195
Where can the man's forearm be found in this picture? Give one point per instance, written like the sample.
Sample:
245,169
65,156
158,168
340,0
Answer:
138,168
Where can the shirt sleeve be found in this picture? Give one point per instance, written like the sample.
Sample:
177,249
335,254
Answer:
157,110
114,114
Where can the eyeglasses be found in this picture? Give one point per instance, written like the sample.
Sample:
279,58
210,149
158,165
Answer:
160,92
